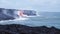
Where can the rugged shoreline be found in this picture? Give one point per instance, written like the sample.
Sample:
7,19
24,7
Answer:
22,29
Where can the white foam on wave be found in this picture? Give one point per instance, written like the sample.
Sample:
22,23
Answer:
32,16
21,18
17,19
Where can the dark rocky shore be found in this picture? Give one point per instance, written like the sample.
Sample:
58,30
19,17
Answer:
22,29
11,14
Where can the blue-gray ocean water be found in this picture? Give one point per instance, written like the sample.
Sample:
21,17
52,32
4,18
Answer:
44,19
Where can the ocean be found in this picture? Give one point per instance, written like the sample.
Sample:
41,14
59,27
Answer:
48,19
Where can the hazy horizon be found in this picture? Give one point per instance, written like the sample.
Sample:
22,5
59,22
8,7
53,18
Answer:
38,5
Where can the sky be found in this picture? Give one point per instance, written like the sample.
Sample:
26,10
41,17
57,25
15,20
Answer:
38,5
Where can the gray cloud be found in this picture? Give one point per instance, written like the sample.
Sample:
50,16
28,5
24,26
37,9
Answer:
39,5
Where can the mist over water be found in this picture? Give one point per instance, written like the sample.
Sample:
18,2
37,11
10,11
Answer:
45,19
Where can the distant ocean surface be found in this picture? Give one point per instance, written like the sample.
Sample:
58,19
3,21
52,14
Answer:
44,19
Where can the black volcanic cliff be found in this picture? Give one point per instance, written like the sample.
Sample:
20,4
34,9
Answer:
4,16
8,14
22,29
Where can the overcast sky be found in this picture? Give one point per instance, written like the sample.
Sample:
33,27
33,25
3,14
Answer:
39,5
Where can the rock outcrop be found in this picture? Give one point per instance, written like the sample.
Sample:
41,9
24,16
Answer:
8,14
22,29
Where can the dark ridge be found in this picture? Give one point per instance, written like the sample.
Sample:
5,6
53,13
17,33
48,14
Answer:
22,29
9,14
4,16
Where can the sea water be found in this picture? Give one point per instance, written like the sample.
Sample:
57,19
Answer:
45,19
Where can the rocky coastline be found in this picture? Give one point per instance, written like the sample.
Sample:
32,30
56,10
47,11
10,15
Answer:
23,29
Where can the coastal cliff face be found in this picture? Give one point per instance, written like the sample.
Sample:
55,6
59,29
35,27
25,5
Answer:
6,14
22,29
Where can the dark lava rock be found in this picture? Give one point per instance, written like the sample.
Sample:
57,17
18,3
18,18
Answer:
22,29
4,16
10,14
